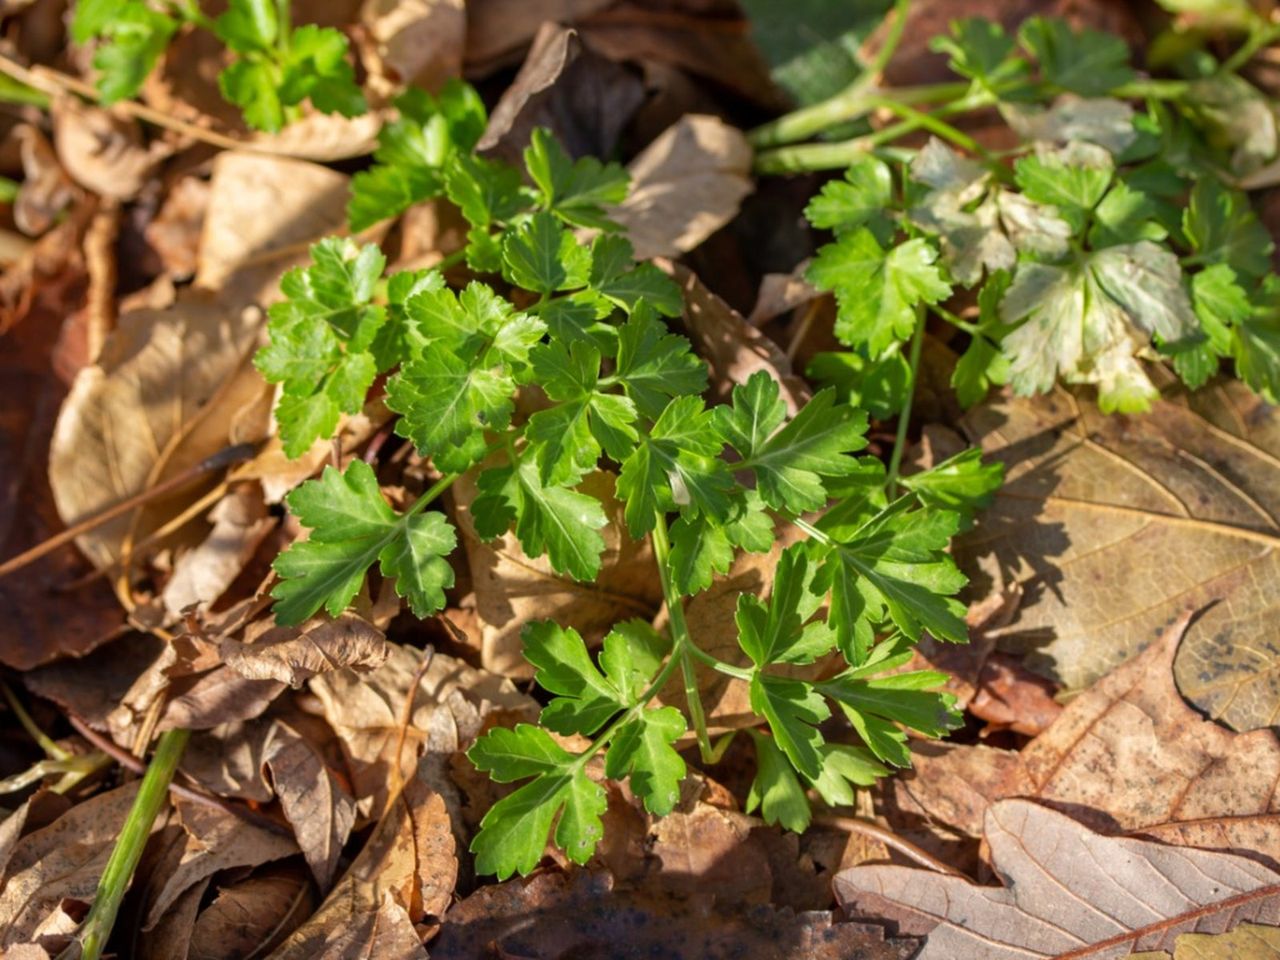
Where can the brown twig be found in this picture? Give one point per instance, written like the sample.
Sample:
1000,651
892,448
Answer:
890,839
100,261
220,460
406,717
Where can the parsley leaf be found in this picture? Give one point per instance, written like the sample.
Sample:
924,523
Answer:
576,191
352,527
1087,62
677,466
514,832
776,791
790,461
654,366
1223,229
321,347
132,36
542,256
877,289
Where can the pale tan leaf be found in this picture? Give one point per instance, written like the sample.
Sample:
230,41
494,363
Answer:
1067,891
685,186
155,403
61,861
313,799
201,575
104,151
263,212
512,589
1091,501
220,696
497,29
294,655
46,190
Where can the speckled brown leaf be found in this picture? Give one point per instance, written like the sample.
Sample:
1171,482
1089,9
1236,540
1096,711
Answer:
159,400
1128,754
213,839
1068,892
313,799
449,705
61,861
1115,525
554,917
405,872
685,186
512,589
294,655
250,916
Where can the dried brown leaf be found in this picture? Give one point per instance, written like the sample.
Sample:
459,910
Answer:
1128,754
685,186
511,588
251,916
239,523
294,655
449,706
497,29
213,839
313,799
1185,508
414,42
62,861
154,404
104,151
554,917
405,872
1068,893
46,189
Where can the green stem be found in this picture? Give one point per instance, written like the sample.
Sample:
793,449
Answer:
284,27
1261,34
810,530
45,742
682,644
834,156
152,795
904,416
728,669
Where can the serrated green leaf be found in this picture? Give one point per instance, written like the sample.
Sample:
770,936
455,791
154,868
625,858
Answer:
655,366
776,791
843,768
1086,62
576,191
877,290
133,37
793,710
486,191
352,526
789,463
1223,229
876,386
542,256
643,749
1073,188
878,706
618,280
317,68
778,632
248,26
676,466
558,521
962,483
979,49
864,194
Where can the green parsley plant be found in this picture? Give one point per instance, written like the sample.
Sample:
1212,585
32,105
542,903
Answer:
577,331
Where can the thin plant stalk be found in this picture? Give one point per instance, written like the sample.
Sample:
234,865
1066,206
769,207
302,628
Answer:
904,415
153,793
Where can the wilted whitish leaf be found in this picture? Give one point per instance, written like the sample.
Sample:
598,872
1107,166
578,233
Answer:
1239,116
1104,121
1087,320
1033,227
943,169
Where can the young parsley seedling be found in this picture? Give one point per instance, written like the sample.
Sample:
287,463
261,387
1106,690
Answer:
581,327
274,66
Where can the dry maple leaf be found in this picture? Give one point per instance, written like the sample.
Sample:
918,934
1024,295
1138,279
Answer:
1127,754
1068,893
1115,525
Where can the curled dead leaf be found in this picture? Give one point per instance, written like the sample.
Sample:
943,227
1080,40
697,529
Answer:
414,42
104,151
294,655
46,189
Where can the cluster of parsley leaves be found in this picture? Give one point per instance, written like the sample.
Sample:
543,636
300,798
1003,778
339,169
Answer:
577,331
1109,240
273,66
